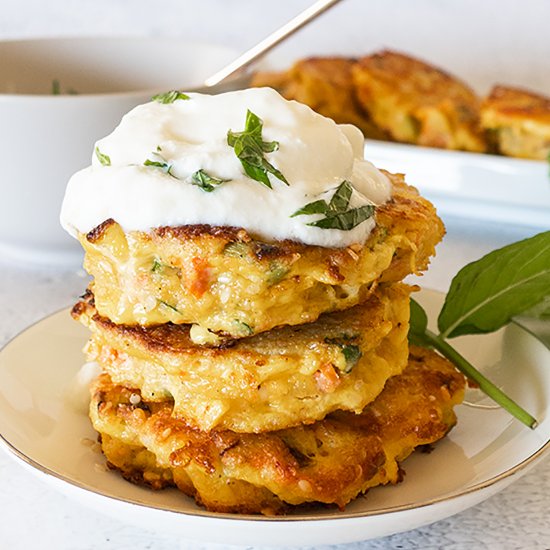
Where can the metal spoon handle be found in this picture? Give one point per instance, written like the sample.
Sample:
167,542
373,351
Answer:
271,41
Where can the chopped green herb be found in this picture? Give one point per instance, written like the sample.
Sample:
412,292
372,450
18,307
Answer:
245,328
277,272
105,160
56,88
161,164
169,97
352,352
337,215
205,181
166,304
157,266
250,149
237,250
352,355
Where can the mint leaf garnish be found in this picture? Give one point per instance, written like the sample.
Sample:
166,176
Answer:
250,149
105,160
169,97
337,214
486,294
205,181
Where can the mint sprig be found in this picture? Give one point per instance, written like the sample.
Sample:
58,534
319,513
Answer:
250,149
484,296
169,97
337,213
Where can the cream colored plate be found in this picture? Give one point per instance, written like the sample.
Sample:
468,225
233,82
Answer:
44,428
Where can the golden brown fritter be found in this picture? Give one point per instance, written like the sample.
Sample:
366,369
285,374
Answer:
518,122
326,85
415,102
273,380
225,281
330,461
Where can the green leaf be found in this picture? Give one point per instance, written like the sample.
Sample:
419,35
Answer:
205,181
277,272
418,325
486,294
316,207
340,199
237,250
352,354
105,160
157,266
336,214
250,148
345,220
56,87
244,328
169,306
162,165
169,97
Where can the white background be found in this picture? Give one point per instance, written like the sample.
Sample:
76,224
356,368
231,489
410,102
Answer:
483,42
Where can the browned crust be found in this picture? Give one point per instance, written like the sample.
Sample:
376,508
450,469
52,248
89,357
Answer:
97,232
333,457
518,102
175,338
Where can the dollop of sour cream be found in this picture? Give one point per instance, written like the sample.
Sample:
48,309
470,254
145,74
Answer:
314,154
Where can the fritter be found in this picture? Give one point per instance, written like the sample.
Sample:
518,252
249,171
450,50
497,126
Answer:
518,122
227,282
330,461
270,381
415,102
326,85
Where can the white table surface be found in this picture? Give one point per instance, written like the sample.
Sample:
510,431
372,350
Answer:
33,515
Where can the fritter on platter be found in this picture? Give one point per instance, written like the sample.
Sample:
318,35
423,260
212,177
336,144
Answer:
326,85
415,102
518,121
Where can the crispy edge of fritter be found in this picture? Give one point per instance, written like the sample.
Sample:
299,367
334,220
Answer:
424,99
507,101
330,461
174,339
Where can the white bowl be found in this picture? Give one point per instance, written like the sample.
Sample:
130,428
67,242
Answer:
46,136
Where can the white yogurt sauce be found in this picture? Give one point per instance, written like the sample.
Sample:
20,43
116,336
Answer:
315,155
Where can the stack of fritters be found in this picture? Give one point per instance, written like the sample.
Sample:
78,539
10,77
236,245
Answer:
257,376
